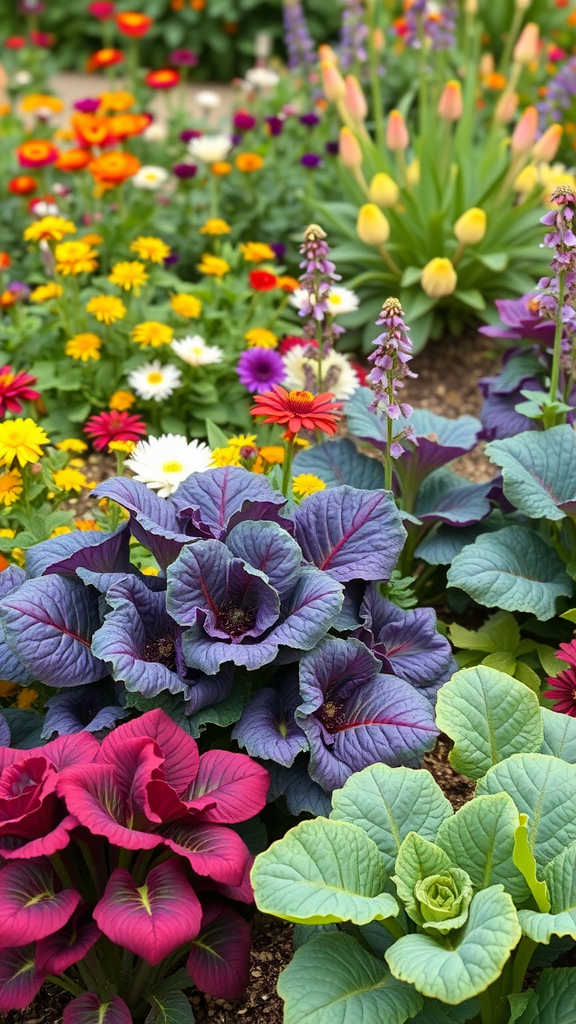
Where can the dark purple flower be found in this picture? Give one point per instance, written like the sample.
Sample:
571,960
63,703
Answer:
521,320
183,58
279,248
310,120
393,352
244,121
333,147
235,139
275,124
260,368
91,708
184,171
310,160
171,259
190,133
89,105
267,728
19,290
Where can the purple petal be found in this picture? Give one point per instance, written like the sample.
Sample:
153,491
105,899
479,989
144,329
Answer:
268,548
93,550
88,1009
20,981
153,520
90,708
218,499
267,728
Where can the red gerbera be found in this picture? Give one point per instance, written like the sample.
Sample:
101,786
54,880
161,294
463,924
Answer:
291,340
298,409
114,426
15,386
166,78
563,686
263,280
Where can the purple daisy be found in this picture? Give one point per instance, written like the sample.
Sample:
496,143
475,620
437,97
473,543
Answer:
260,368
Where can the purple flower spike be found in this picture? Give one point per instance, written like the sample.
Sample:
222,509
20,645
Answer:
299,42
260,368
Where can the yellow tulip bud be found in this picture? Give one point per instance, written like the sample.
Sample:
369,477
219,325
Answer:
413,172
372,227
325,52
438,278
470,228
383,190
332,82
350,151
486,64
547,146
450,103
526,49
397,137
354,100
526,181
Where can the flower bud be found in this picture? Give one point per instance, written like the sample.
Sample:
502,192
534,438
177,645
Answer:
524,134
332,82
547,146
378,39
526,181
383,190
506,107
354,100
450,104
413,173
470,228
526,49
486,64
523,5
397,137
471,7
350,151
325,52
438,278
372,227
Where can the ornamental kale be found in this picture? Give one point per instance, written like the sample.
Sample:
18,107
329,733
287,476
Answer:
413,909
118,856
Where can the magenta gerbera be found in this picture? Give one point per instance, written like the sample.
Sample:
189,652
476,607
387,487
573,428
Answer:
13,388
563,686
114,426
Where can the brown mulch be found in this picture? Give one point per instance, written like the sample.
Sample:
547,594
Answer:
458,789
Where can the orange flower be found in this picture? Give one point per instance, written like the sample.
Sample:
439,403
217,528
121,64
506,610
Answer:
287,283
248,162
176,5
197,5
166,78
104,59
5,261
91,130
133,24
125,125
114,168
37,103
73,160
37,153
22,185
221,168
495,81
298,410
118,101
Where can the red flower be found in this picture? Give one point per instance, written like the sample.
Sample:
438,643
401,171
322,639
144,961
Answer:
22,185
5,260
298,409
134,24
291,340
14,42
166,78
563,687
15,386
262,280
114,426
102,9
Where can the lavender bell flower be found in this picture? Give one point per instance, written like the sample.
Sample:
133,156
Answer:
560,94
391,357
317,279
353,35
437,26
297,38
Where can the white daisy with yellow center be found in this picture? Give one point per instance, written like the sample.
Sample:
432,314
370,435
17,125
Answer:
193,350
155,382
150,177
162,463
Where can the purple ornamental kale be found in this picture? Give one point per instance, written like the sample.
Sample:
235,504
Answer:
353,35
297,38
91,708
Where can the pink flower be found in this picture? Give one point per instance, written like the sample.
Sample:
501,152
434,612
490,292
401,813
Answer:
114,426
13,387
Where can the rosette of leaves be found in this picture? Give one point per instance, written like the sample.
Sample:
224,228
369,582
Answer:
415,912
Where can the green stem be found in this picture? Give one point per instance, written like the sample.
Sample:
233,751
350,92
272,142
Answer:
63,982
287,469
555,374
393,926
319,331
388,456
511,39
377,112
139,983
522,959
61,870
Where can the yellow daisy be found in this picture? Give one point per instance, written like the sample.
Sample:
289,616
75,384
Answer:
84,346
228,456
122,446
129,275
51,229
213,265
261,337
106,308
152,333
121,401
10,487
149,248
86,524
75,258
257,252
69,479
44,292
242,441
21,440
215,226
186,305
26,697
71,444
306,484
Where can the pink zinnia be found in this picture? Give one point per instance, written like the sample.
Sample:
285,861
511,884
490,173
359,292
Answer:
114,426
15,386
563,686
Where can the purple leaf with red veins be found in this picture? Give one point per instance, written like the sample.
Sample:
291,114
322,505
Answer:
220,498
212,850
30,908
20,980
219,960
228,788
151,920
88,1009
153,521
57,952
179,750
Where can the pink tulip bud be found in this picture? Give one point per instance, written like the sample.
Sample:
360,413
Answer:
397,137
506,107
332,82
326,52
524,135
526,49
350,151
486,64
354,100
450,104
547,146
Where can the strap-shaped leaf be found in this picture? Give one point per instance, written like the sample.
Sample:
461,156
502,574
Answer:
560,880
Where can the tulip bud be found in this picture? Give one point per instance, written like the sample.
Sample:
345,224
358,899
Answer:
438,278
378,39
326,52
526,49
450,104
524,135
470,228
471,7
383,190
372,227
413,172
547,146
354,100
350,151
506,107
397,137
526,181
523,5
332,82
486,64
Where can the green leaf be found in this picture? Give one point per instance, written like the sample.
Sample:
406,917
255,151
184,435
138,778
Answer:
555,991
559,735
388,803
469,967
512,569
169,1008
544,788
550,663
496,261
538,470
471,297
216,437
410,276
436,1013
523,1007
526,863
490,716
527,676
500,632
333,980
559,916
501,661
323,871
480,839
226,713
418,861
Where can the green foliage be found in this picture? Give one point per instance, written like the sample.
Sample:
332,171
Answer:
498,644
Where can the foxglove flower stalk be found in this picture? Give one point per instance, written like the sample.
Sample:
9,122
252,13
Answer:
428,26
560,95
316,282
297,38
353,35
393,352
555,300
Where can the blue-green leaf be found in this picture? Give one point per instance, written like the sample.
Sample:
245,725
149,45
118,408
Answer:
538,470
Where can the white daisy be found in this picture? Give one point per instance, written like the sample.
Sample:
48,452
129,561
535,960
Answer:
154,381
164,462
342,300
194,351
262,78
155,132
300,297
150,177
207,100
338,376
41,208
210,148
22,78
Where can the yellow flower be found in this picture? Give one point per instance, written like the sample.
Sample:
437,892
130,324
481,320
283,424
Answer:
122,446
150,570
60,531
273,454
149,248
92,239
72,444
213,265
7,688
152,333
261,337
221,168
75,258
52,229
228,456
106,308
470,228
186,305
84,346
86,524
40,102
18,555
215,226
383,190
44,292
21,440
129,274
306,484
257,252
248,162
26,698
77,462
69,480
372,227
439,278
10,487
121,401
242,441
116,101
